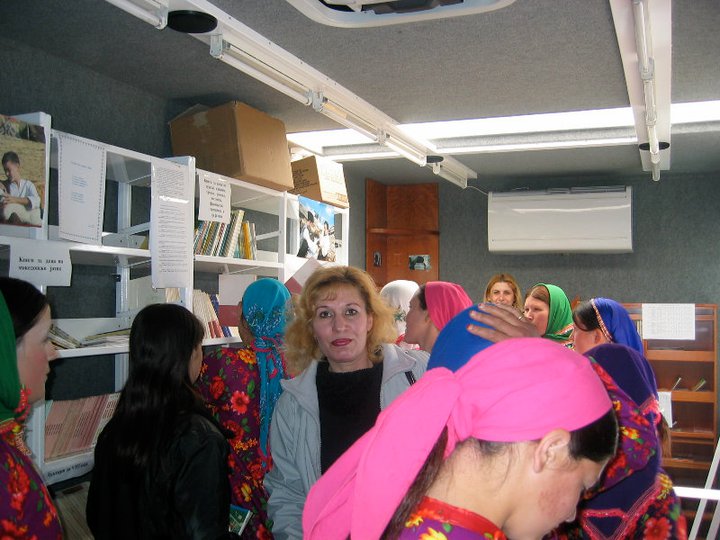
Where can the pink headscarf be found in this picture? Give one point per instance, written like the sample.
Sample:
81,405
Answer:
516,390
445,300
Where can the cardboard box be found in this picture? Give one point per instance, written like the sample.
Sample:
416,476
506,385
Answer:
235,140
321,180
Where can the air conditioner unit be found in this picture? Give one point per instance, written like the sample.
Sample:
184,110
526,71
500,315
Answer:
575,220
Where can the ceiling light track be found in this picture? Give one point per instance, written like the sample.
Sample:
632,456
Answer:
242,48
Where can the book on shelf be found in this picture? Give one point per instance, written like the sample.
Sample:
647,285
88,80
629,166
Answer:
63,340
217,239
206,307
73,426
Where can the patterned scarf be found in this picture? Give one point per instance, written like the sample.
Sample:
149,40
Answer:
264,308
635,497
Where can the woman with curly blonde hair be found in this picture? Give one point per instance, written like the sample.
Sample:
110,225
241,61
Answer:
341,346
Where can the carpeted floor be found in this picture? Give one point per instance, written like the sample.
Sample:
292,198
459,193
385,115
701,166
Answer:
71,507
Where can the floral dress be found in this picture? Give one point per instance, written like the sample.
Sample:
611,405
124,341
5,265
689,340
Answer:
230,383
26,510
436,520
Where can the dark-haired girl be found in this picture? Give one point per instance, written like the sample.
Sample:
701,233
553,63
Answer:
161,462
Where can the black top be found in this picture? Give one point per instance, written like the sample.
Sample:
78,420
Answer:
184,494
349,405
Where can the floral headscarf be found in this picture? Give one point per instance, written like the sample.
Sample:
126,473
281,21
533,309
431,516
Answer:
635,497
264,306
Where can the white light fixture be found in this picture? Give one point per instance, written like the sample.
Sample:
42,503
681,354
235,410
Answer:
645,42
405,148
257,69
152,12
451,174
344,117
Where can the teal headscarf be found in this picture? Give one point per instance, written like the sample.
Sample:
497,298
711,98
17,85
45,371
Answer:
9,376
560,321
264,306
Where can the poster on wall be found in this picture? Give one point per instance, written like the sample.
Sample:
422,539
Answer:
317,230
24,183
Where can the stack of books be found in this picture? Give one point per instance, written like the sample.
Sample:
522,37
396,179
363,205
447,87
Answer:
206,308
73,426
234,239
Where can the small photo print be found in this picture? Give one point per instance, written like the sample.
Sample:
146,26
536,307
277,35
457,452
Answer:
419,262
317,230
23,184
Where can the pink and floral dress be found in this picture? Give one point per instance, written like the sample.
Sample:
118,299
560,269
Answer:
26,510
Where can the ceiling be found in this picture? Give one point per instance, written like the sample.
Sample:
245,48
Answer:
533,56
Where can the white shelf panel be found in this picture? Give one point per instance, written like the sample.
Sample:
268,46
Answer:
107,255
222,265
221,341
92,351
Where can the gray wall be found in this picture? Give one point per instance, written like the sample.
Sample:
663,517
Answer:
676,239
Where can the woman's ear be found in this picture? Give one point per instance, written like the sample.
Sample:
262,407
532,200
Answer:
599,337
552,449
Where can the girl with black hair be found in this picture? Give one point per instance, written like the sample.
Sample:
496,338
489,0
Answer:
161,462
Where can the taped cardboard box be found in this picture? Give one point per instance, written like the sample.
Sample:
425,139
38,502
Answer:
321,180
235,140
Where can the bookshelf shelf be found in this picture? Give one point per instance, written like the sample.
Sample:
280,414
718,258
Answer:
97,350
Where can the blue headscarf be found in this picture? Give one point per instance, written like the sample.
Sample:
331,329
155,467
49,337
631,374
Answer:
264,306
455,345
615,321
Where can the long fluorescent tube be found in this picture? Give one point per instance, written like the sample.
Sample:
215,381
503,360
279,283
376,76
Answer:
157,17
245,62
405,149
344,117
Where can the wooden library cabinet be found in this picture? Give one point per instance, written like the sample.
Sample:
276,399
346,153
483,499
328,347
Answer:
401,221
681,366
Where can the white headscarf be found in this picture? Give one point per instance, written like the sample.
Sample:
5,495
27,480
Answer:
397,294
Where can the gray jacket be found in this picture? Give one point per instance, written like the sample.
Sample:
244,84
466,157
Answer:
295,436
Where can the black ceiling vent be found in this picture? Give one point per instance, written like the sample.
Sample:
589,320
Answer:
367,13
395,6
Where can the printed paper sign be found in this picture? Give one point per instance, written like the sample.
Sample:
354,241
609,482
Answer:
214,204
41,263
668,321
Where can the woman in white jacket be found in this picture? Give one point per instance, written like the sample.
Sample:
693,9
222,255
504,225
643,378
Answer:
342,345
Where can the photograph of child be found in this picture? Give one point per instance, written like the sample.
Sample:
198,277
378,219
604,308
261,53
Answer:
22,189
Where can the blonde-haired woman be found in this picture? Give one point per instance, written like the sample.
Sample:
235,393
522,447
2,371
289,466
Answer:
341,345
503,289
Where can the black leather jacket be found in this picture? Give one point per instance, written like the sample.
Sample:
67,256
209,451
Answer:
184,494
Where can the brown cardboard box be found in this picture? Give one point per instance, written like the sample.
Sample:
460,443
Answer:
321,180
235,140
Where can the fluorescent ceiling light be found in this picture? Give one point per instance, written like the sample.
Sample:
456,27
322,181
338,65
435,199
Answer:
540,145
693,113
442,133
530,123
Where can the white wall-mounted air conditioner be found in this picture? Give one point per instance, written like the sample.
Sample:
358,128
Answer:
574,220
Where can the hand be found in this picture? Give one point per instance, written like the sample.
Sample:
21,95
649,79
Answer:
504,321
